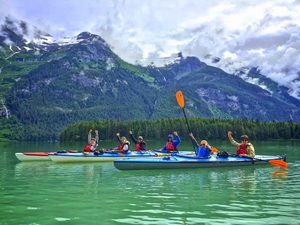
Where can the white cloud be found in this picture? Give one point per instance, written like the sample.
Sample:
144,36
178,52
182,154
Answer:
240,32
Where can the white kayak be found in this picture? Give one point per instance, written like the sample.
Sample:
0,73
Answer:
33,156
108,156
36,156
91,157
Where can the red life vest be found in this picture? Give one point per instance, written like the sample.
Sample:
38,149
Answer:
137,147
87,148
170,146
121,146
242,149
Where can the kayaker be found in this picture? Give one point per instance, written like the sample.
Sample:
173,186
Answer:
140,144
203,148
243,149
172,143
124,145
92,142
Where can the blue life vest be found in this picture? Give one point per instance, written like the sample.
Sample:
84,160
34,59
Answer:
203,152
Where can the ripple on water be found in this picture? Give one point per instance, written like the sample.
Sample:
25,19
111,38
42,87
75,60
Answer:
32,208
61,219
150,220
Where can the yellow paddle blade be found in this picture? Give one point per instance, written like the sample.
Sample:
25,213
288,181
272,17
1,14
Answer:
214,150
180,99
279,163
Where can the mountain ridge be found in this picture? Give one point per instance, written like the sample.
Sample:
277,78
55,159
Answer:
49,85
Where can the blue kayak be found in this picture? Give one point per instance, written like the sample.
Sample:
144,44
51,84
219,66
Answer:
184,161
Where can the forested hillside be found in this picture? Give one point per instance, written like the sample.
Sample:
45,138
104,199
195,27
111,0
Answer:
202,128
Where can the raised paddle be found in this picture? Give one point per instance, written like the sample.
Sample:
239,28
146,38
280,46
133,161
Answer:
180,101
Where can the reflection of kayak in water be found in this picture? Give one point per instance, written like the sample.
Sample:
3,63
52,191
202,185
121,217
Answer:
36,156
106,156
184,161
55,171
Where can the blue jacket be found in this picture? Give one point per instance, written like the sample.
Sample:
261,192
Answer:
203,152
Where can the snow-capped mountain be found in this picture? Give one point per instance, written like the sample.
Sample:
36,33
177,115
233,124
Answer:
47,84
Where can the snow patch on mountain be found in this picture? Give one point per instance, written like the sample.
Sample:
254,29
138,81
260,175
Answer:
255,81
68,41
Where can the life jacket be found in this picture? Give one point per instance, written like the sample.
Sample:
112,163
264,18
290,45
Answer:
121,146
87,148
203,152
137,147
242,149
170,146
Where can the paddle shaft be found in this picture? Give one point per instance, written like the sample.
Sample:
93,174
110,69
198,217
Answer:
283,164
188,126
189,129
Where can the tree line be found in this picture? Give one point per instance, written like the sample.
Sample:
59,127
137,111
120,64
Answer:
202,128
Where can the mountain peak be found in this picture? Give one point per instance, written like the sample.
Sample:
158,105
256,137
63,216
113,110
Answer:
89,36
186,65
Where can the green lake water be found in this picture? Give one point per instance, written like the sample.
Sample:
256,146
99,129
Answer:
40,193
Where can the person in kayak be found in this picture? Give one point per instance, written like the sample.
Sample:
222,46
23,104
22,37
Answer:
243,149
203,148
124,145
172,143
92,142
140,144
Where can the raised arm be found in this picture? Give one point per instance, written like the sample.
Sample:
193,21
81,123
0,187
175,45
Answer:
177,139
118,137
97,136
194,140
132,137
90,135
229,134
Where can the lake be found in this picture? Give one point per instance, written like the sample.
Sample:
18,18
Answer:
41,193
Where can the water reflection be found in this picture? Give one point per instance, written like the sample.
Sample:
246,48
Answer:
231,193
83,193
280,174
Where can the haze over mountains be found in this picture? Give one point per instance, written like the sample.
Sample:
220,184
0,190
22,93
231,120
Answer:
45,85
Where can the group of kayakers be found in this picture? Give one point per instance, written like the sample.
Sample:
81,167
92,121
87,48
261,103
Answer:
203,149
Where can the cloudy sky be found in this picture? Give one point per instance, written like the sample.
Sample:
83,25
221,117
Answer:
240,32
